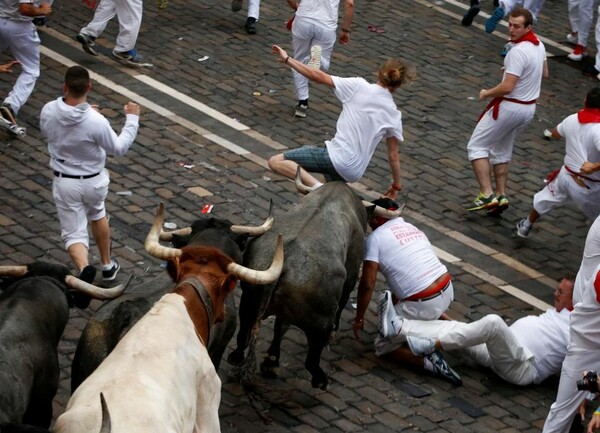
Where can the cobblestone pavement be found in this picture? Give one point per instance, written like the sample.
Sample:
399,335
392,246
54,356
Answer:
183,157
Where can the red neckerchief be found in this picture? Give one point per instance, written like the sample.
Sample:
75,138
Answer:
528,37
589,115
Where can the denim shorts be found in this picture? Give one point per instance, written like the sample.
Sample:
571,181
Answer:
314,159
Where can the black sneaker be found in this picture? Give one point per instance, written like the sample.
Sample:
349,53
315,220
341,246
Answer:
8,113
111,274
87,43
39,21
88,274
300,110
250,26
443,370
471,14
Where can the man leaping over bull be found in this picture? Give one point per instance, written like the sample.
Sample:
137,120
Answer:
369,114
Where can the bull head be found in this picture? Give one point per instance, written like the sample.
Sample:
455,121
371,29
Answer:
249,230
72,282
377,210
246,274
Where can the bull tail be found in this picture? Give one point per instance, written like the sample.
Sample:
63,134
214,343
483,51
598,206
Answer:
105,428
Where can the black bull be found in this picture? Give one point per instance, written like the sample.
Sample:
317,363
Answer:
34,310
323,247
113,319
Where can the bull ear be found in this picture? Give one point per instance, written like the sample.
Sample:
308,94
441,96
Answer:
173,268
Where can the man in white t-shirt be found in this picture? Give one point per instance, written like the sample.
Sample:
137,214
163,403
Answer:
369,114
420,284
584,345
578,181
314,29
506,116
529,351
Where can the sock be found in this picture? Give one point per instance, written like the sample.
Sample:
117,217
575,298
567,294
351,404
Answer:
303,102
318,184
428,365
109,266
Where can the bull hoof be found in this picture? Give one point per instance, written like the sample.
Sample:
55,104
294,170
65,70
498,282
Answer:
236,357
268,366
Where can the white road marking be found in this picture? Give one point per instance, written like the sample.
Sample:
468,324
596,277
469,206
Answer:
238,126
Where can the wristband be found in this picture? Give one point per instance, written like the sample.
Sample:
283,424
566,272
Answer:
597,411
286,59
397,188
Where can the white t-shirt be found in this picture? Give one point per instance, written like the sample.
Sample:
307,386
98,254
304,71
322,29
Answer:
526,61
546,336
369,114
582,143
322,13
79,138
405,257
589,262
9,9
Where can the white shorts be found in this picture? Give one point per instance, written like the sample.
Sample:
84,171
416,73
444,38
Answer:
563,190
494,139
77,202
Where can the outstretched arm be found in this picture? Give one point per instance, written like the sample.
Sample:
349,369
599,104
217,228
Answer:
7,67
365,292
347,22
315,75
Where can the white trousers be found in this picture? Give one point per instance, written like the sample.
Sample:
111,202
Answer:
533,6
597,35
129,14
494,139
581,14
489,341
304,36
77,201
563,190
22,39
568,398
254,9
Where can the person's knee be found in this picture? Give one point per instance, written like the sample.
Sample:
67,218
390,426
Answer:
274,161
494,321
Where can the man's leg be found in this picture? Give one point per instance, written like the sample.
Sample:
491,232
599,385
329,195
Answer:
482,170
101,232
501,175
105,12
129,13
288,168
24,44
79,255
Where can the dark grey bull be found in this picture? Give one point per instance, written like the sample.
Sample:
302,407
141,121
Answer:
323,246
34,310
114,319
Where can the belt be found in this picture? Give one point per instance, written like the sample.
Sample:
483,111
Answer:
71,176
494,105
431,292
578,176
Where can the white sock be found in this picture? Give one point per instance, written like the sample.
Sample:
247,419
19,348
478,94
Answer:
109,266
318,184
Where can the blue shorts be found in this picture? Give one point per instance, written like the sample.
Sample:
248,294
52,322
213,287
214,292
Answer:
315,160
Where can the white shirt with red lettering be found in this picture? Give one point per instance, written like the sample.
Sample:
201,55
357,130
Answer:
405,257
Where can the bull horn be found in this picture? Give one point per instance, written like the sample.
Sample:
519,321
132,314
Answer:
167,236
13,271
152,246
261,277
385,213
256,231
94,291
303,189
105,428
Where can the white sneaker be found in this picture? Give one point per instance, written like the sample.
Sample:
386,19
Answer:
523,228
315,57
578,53
572,38
390,323
420,346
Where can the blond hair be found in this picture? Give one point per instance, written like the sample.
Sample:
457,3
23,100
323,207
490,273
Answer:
395,73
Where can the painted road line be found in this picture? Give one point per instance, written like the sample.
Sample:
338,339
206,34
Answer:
261,161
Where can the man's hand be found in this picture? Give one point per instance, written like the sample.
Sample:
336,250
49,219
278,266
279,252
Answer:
344,38
589,167
7,67
483,94
283,55
392,191
131,108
